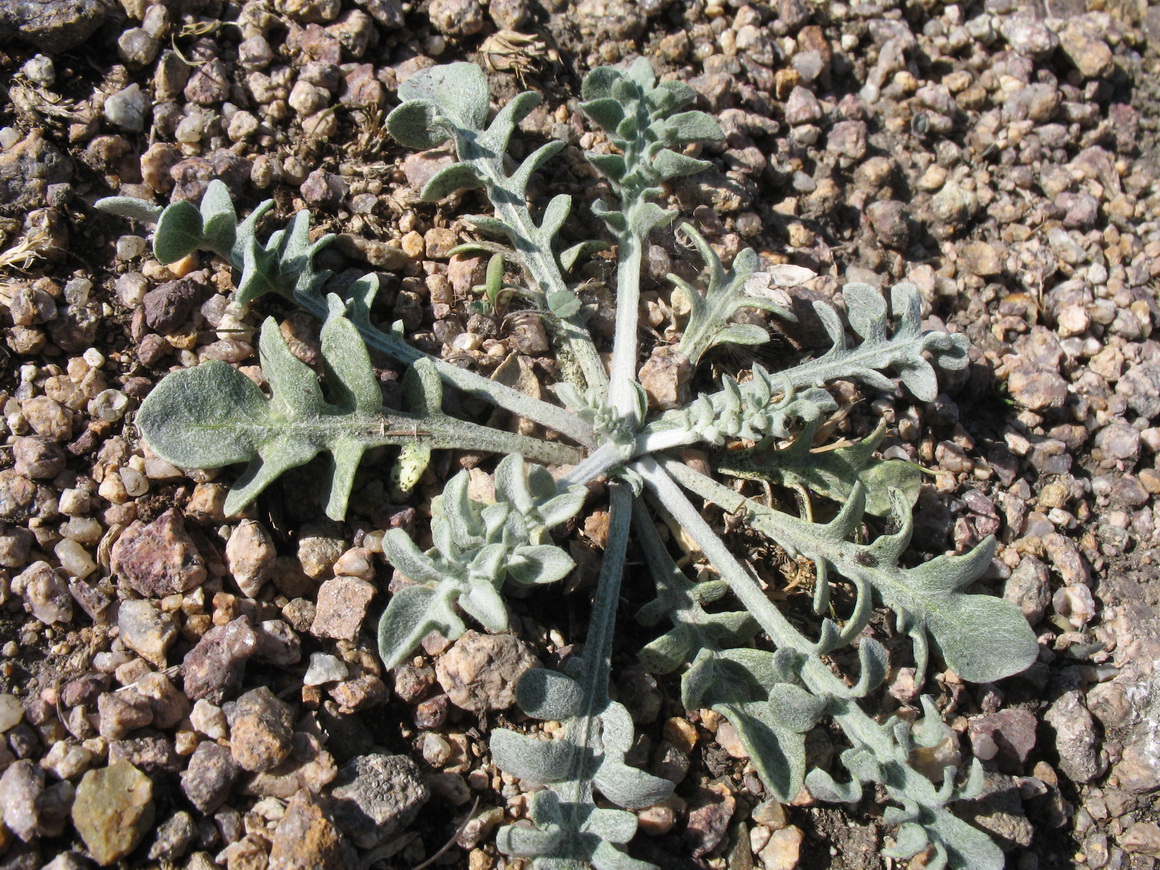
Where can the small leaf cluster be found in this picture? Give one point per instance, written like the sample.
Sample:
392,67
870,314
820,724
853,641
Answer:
477,547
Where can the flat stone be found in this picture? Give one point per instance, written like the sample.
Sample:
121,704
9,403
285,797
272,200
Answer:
342,608
158,558
261,729
308,839
20,789
1006,737
147,629
51,26
46,594
1076,740
250,555
709,814
122,712
210,776
113,811
170,305
376,796
214,666
480,671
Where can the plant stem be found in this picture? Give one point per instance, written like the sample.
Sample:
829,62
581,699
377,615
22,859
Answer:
559,419
624,347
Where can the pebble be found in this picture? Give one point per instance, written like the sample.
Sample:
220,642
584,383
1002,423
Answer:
250,555
342,608
278,644
209,777
158,558
37,457
169,705
11,712
376,796
127,108
1005,737
46,594
121,713
308,839
480,671
21,788
710,811
783,850
137,47
323,669
1074,603
113,811
457,18
51,26
1076,739
1089,53
1143,838
147,630
261,730
1028,588
214,667
174,836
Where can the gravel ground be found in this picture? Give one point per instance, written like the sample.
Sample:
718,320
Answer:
182,689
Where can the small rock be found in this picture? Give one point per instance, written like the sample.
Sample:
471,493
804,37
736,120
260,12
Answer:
710,811
1086,49
665,378
1140,386
376,796
37,458
21,789
261,730
159,558
783,851
46,595
342,608
1143,838
250,555
17,495
210,776
888,220
278,644
1075,738
170,305
802,107
122,713
169,706
1006,737
848,139
174,837
456,17
113,811
1075,603
127,108
325,669
54,26
1029,589
981,258
215,665
480,671
1066,558
1037,389
147,630
137,47
11,712
307,839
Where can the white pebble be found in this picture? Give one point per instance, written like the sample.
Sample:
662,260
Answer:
136,484
11,712
94,358
324,669
109,405
74,558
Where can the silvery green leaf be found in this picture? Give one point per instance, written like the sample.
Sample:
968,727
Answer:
412,562
532,164
605,112
178,233
742,333
129,207
873,667
449,180
825,788
538,761
669,164
547,694
563,303
694,127
414,612
795,708
778,754
416,124
539,564
901,350
909,840
457,90
219,219
485,605
570,256
611,166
